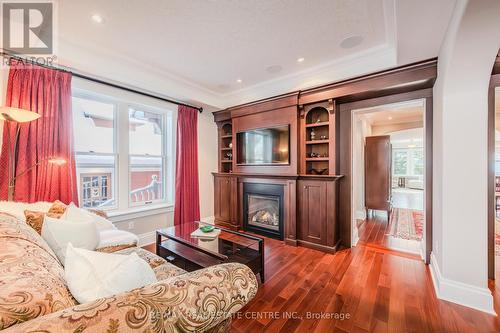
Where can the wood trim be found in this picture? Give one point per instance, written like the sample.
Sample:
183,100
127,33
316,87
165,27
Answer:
319,247
345,146
415,76
397,80
496,65
272,176
222,115
272,103
494,82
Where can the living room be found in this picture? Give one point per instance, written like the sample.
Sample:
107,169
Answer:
217,166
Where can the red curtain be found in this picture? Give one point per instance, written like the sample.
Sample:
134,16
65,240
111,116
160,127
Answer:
187,199
47,92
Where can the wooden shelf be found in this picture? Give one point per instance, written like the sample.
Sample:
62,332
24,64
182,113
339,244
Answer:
317,142
318,159
226,148
227,161
324,123
226,136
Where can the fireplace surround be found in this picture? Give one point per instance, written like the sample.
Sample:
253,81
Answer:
263,209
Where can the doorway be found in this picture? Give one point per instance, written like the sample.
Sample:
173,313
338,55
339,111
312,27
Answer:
405,120
388,168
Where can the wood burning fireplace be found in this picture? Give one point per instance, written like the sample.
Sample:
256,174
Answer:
263,211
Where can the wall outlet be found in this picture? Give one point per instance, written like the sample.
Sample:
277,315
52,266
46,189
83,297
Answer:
131,225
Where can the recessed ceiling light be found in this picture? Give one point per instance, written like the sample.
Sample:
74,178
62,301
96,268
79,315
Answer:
300,59
390,118
351,41
239,80
274,69
97,18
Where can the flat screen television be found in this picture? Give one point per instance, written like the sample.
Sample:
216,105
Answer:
263,146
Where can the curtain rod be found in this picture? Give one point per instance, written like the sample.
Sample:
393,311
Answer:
94,79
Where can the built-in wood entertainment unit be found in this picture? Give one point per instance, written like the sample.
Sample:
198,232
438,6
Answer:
294,201
284,162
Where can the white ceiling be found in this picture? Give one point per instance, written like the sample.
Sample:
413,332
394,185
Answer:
197,50
392,114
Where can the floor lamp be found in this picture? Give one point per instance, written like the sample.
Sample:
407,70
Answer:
14,115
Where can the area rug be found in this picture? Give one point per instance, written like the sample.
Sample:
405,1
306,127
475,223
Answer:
406,224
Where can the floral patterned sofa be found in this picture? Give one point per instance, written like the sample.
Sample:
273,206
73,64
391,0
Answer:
34,296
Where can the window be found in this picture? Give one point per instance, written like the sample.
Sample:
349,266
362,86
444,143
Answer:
408,162
400,162
146,156
123,152
94,134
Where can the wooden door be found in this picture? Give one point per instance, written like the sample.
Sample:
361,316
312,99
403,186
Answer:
378,158
312,196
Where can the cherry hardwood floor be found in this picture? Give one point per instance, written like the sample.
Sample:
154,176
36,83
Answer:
368,288
375,233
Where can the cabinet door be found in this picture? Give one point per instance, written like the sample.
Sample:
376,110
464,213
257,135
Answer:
223,199
313,211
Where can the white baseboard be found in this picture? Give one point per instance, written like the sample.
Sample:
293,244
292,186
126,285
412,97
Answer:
147,238
355,234
457,292
361,214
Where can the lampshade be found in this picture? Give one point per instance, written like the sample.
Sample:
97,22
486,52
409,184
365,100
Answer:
17,115
57,160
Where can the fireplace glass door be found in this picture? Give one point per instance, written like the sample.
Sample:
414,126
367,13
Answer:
264,211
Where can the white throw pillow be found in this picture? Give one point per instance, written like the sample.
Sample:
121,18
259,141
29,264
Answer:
75,214
58,233
91,275
117,237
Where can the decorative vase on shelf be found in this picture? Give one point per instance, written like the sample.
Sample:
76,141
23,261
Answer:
313,135
230,145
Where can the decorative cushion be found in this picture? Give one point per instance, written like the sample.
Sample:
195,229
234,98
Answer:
73,213
115,237
32,280
57,208
35,219
99,212
91,275
58,233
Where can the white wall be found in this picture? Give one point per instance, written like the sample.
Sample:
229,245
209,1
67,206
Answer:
459,257
207,162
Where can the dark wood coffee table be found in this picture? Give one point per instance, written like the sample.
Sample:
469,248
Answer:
176,245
